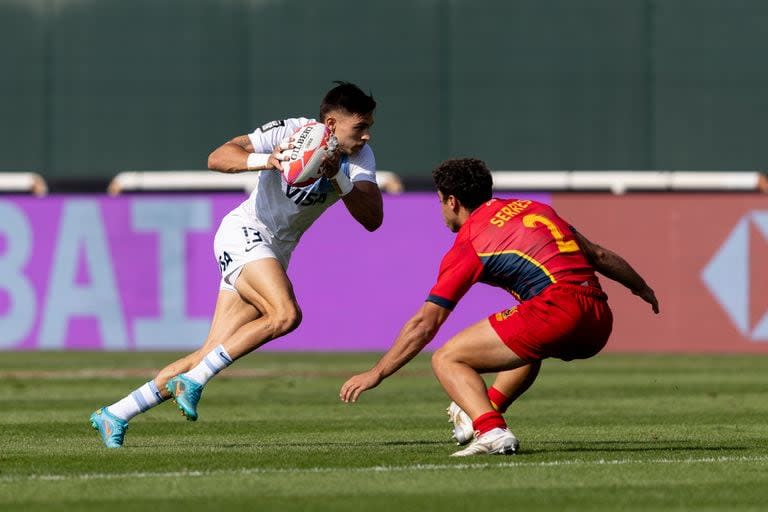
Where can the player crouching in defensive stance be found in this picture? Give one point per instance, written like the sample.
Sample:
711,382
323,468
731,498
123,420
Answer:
253,245
524,247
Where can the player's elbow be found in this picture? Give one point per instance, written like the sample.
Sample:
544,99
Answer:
596,255
374,219
220,160
373,224
214,161
604,259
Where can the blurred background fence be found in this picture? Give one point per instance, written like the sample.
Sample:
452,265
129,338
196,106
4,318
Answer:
93,87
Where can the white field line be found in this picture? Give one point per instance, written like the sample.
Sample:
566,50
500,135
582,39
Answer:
379,469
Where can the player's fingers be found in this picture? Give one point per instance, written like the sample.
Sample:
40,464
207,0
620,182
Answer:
285,145
327,158
653,301
281,156
345,391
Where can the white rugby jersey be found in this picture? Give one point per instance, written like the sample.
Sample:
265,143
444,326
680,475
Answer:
287,211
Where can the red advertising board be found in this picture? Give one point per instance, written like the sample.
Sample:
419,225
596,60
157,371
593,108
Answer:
706,255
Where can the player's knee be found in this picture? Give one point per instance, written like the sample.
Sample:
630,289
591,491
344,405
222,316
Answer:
286,319
440,358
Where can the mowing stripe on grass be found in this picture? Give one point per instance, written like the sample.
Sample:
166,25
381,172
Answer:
148,373
380,469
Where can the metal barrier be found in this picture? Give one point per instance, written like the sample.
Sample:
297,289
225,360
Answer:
163,181
620,182
23,182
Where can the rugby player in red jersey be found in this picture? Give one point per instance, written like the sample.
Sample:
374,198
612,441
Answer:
524,247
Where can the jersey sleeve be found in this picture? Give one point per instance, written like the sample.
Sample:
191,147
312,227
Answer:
459,270
269,135
362,166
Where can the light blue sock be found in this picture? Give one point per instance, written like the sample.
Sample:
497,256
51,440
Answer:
216,360
141,400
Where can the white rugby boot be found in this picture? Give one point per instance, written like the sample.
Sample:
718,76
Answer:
463,431
497,441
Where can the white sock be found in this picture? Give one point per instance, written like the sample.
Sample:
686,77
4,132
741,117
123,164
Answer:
216,360
143,399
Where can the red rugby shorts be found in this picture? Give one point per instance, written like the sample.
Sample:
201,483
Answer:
565,321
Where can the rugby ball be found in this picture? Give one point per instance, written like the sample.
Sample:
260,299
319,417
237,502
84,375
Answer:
302,167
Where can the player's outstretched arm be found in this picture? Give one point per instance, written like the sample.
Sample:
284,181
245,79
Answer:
413,337
613,266
232,156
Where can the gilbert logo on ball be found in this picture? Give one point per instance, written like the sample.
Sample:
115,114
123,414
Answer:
303,165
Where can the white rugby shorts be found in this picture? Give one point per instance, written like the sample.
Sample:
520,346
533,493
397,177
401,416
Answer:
240,240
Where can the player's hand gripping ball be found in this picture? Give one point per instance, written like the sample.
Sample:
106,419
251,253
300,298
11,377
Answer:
303,159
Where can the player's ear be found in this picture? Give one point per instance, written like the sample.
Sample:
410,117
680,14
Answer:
330,122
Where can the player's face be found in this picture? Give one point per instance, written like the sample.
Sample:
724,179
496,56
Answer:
449,215
353,131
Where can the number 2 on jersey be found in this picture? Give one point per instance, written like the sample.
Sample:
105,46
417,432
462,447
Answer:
532,219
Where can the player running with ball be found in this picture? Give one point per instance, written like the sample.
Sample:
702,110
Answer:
253,246
524,247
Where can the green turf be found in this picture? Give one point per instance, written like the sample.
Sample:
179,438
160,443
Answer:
612,433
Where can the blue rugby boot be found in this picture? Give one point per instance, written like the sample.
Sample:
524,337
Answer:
186,393
111,428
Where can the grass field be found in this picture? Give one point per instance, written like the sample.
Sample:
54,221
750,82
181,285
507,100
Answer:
613,433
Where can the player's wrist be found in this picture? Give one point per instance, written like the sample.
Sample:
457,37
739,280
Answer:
257,161
342,183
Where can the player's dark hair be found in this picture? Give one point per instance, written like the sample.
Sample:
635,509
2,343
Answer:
347,96
467,179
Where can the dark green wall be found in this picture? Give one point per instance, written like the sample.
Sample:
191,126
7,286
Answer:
91,87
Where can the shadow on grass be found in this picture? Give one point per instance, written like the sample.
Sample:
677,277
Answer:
669,447
292,444
681,445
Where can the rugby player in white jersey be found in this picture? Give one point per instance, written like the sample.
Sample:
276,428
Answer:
253,246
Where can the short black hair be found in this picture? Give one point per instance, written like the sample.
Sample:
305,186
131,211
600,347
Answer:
467,179
347,96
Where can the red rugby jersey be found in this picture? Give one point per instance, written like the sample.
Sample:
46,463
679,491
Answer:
520,245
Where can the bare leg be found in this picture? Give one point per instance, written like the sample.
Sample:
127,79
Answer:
263,308
264,284
513,383
458,364
231,313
